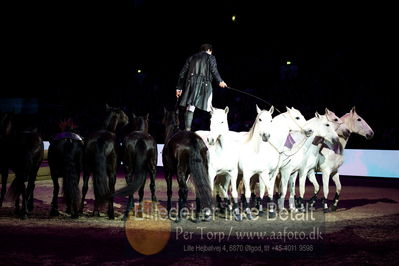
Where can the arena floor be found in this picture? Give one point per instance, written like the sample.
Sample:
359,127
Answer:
363,230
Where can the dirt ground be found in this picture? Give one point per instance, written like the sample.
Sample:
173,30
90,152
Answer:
363,230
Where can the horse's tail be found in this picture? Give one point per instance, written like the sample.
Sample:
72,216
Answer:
198,164
100,179
71,176
137,157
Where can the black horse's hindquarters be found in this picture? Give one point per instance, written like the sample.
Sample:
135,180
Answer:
185,153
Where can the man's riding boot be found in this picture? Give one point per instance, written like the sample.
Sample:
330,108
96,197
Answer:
188,119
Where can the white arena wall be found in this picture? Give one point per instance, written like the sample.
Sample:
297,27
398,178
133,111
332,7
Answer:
358,162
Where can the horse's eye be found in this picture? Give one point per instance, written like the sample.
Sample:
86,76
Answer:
327,125
336,119
260,120
297,118
359,119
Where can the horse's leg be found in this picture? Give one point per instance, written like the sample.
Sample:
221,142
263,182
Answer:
23,213
234,194
153,174
224,188
169,192
338,187
270,185
285,176
262,187
111,172
31,187
183,190
312,178
56,188
326,178
246,179
85,187
141,195
4,177
253,193
302,187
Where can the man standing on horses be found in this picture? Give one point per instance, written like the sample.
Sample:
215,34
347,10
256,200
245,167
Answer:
195,83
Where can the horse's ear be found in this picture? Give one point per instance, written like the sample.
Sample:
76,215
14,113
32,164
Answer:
212,110
353,110
133,115
317,115
226,110
258,110
107,106
271,110
147,116
288,109
164,110
327,111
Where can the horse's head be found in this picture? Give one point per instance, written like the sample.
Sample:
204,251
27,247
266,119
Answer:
322,128
170,118
115,116
296,121
339,126
140,123
5,124
263,123
357,124
219,124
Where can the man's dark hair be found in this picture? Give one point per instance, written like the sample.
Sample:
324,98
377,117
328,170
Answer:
206,47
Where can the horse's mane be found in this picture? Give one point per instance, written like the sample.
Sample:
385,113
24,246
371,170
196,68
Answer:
67,125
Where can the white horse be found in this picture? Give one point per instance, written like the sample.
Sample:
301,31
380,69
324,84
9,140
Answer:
280,142
331,158
304,156
254,159
222,151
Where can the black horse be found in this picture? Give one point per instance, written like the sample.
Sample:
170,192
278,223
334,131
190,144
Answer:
65,159
100,159
185,154
22,151
140,156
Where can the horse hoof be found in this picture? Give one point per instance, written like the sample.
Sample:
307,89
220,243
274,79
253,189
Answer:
237,217
24,216
96,213
54,212
75,216
30,208
248,213
261,213
333,208
272,215
326,210
111,217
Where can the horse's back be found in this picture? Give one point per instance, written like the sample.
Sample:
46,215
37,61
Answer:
141,144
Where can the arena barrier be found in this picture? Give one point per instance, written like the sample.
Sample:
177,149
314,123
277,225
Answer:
358,162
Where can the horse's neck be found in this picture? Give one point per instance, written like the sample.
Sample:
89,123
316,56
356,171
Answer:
170,130
111,123
348,123
279,135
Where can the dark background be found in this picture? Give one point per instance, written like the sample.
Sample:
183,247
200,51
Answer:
72,57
